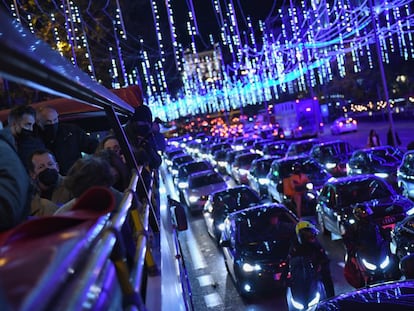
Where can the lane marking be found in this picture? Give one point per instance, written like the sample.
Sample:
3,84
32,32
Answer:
213,300
205,280
197,257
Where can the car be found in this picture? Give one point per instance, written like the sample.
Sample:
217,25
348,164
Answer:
344,125
231,155
333,155
282,168
219,160
405,174
301,147
200,186
221,203
178,160
402,237
255,249
382,161
181,179
276,148
257,175
339,196
241,166
392,295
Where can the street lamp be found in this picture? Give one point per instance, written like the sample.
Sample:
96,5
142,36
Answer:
381,67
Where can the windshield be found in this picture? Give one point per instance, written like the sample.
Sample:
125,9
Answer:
205,180
193,167
385,156
368,189
259,227
232,201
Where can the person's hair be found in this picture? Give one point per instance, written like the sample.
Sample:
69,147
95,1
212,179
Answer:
103,141
30,165
19,111
88,172
116,162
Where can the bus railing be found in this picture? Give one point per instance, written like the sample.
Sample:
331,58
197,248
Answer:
86,265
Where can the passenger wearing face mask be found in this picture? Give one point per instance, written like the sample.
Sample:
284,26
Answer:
51,192
20,122
65,141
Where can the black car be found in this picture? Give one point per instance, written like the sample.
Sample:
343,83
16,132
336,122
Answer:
382,161
301,147
221,203
282,168
257,176
276,148
394,295
255,247
405,174
402,237
339,197
333,155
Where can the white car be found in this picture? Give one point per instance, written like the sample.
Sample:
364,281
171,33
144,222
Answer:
344,125
200,186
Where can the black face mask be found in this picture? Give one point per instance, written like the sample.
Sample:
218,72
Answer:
24,133
48,177
49,132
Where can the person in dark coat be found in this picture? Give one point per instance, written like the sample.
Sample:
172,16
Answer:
65,141
21,121
15,186
141,136
390,139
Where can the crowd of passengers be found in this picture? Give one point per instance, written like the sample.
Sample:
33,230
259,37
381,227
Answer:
46,165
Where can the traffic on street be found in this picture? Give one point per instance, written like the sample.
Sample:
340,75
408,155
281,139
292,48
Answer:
215,285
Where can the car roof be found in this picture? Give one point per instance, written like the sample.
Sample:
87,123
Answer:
394,295
253,210
352,178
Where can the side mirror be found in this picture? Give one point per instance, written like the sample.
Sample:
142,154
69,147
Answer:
178,215
225,243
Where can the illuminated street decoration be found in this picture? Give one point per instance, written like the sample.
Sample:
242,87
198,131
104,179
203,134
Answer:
315,39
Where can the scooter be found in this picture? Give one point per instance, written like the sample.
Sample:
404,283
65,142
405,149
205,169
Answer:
372,264
305,288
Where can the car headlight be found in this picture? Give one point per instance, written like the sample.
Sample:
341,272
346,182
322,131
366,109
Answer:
182,184
385,263
410,211
250,268
368,265
222,163
381,175
309,186
221,226
315,300
296,304
330,165
263,181
193,198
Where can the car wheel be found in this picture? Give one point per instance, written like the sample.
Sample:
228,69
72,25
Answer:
321,224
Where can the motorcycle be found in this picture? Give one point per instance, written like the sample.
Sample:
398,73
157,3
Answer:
305,287
371,264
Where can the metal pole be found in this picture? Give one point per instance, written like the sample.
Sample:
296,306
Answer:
381,67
